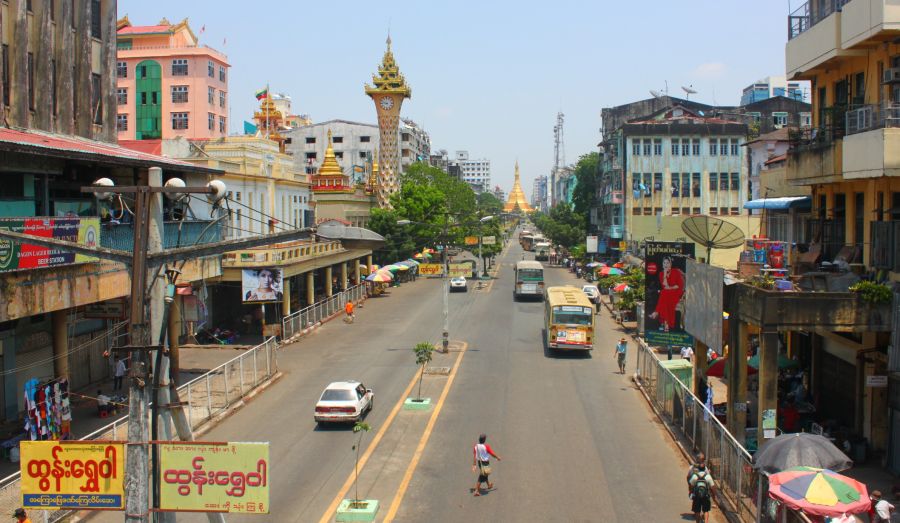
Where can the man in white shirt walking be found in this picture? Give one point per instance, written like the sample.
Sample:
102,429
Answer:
883,509
119,373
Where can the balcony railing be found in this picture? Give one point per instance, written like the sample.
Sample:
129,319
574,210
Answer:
194,232
286,254
832,126
810,14
868,117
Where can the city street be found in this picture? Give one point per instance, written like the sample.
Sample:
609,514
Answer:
578,441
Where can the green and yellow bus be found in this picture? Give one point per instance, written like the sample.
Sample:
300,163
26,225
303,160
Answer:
529,280
568,319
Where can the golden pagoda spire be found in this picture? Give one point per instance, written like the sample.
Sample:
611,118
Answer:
330,166
516,200
330,177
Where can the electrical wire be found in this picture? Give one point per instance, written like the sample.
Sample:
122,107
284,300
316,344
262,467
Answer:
275,220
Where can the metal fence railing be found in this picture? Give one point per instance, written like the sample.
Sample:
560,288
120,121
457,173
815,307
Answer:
729,463
307,317
207,396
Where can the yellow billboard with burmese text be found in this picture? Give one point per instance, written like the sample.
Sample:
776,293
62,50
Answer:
73,475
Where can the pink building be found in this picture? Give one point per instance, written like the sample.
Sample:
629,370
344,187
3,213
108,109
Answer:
168,85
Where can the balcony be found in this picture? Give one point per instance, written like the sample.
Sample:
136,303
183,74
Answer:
282,254
814,32
865,19
121,235
886,245
871,148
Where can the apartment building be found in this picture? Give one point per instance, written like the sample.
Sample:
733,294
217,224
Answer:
415,143
168,84
539,193
355,146
477,173
773,86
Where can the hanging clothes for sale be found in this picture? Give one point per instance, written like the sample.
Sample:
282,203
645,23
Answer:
48,413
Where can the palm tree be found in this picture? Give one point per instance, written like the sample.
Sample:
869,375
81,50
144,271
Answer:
424,351
360,428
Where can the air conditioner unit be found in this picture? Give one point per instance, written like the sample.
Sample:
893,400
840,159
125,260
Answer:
892,75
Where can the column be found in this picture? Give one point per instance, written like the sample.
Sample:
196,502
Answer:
60,344
310,288
286,297
356,271
174,332
768,385
344,275
737,380
700,364
369,262
328,275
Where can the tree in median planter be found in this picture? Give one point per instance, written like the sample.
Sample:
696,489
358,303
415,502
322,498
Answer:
360,428
424,352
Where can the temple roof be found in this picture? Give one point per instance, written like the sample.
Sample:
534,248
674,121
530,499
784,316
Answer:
389,79
516,200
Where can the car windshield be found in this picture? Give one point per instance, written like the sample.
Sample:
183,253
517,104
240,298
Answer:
458,280
338,395
589,289
572,318
531,274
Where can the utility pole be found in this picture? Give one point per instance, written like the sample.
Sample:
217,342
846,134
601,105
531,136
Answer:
445,340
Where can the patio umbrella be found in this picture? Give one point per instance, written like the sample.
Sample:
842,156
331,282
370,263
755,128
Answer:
783,362
593,264
421,256
610,271
801,449
717,368
619,265
622,287
411,262
392,267
380,277
819,492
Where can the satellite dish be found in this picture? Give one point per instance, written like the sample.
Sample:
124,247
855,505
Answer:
688,90
712,233
656,94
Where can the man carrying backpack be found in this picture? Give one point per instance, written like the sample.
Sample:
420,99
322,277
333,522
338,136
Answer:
702,488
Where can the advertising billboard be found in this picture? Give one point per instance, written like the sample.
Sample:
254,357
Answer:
488,240
591,245
214,477
431,269
665,277
73,474
466,269
703,303
17,256
471,240
261,285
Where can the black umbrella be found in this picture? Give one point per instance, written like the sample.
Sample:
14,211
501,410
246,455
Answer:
800,450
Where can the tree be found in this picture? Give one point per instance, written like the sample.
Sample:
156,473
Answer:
359,428
424,351
586,171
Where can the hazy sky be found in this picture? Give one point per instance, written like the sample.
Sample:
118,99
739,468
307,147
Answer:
487,76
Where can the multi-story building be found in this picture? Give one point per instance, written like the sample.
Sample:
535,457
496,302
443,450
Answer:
415,144
499,193
476,173
59,310
773,86
355,146
290,120
539,193
440,159
167,84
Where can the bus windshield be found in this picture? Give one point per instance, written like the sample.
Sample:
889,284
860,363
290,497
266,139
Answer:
571,316
530,274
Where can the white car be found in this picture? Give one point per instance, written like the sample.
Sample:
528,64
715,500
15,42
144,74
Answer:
592,292
459,284
344,402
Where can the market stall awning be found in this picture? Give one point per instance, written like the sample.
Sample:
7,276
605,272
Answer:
782,203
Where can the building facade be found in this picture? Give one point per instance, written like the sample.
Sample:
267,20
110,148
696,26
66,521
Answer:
415,144
477,173
773,86
539,193
290,120
167,84
354,144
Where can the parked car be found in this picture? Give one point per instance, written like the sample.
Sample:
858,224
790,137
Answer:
459,284
344,402
592,292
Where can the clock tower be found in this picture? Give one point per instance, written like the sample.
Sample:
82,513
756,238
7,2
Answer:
388,92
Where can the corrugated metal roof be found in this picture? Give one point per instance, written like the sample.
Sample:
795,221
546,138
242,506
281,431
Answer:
75,147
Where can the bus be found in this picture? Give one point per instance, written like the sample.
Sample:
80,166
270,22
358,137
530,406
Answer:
568,319
529,280
542,251
527,242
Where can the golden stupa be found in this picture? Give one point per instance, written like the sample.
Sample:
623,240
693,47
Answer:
516,201
330,177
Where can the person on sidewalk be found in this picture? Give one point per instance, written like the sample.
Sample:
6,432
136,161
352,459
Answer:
702,489
21,516
348,310
701,458
119,373
103,402
481,460
881,508
621,351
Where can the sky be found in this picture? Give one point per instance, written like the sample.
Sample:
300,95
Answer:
488,77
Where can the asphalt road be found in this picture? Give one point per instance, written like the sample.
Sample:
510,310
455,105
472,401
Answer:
578,441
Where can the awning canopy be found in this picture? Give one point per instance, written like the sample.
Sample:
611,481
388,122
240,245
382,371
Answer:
781,204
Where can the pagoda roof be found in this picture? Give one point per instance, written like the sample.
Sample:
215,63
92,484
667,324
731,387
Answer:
389,79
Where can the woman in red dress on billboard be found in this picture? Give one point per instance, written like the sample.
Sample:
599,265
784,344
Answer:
672,289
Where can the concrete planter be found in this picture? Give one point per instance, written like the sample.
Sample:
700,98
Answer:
417,404
357,510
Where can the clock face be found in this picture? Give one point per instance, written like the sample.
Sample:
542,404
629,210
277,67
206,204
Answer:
386,103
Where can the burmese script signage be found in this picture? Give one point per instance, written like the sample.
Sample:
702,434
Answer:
73,474
466,270
214,477
17,256
431,269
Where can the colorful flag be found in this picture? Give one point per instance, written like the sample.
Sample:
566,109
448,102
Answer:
262,93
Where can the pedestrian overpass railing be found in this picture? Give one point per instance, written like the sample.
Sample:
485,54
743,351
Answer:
307,317
728,461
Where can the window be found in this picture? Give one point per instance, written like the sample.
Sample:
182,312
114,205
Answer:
723,184
211,121
310,157
222,99
647,143
754,116
211,69
223,127
122,69
713,146
5,60
221,73
143,98
805,119
713,182
339,155
96,99
363,155
723,147
338,139
735,147
179,94
676,147
211,95
735,182
96,31
695,146
695,185
635,146
179,67
122,96
310,139
657,147
364,139
685,147
780,119
30,69
676,185
685,185
121,122
180,121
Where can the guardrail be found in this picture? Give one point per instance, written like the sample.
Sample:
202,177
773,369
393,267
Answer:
308,317
728,462
207,396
